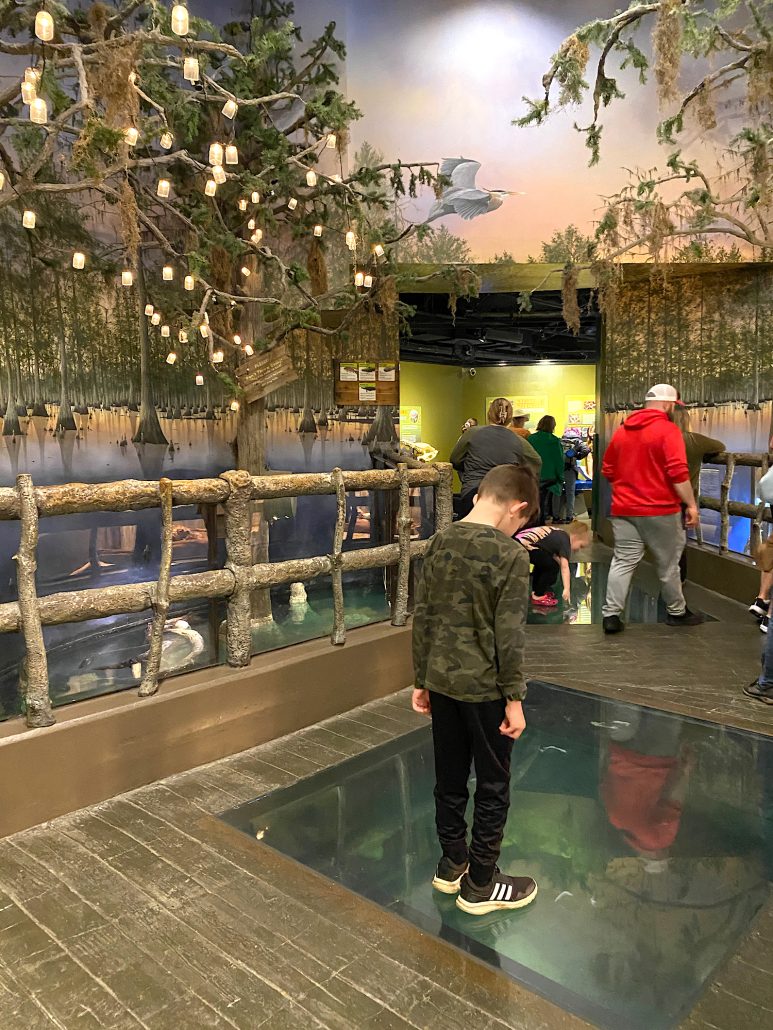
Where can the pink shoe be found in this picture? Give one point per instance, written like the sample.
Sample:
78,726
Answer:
546,601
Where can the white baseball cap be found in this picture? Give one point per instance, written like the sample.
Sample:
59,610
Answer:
662,392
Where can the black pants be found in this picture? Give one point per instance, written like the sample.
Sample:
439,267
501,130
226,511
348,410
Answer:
464,732
465,503
545,571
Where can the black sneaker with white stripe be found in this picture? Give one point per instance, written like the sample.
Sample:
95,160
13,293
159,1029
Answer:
764,623
504,893
448,876
760,608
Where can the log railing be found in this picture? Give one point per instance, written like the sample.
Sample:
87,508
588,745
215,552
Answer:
758,513
235,491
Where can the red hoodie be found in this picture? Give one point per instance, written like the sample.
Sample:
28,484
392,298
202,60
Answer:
645,457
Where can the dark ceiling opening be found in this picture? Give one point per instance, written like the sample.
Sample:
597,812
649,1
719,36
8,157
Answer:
491,330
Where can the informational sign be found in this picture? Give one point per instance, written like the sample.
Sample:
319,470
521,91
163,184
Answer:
536,406
410,424
367,382
581,411
263,373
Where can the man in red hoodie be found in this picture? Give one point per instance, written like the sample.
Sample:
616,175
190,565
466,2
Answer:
646,463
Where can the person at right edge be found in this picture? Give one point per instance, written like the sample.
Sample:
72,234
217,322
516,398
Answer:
646,463
468,642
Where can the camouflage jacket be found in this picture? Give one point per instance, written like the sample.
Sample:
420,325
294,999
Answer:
468,625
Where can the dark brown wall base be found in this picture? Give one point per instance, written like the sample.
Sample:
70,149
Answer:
107,746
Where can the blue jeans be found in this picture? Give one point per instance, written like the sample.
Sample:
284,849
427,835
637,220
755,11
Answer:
766,679
570,491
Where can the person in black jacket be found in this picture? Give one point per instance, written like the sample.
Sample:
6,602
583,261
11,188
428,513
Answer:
482,448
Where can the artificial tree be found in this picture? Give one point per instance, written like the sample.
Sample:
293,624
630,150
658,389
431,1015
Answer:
724,54
215,153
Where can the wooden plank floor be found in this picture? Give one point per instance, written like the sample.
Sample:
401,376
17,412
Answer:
148,911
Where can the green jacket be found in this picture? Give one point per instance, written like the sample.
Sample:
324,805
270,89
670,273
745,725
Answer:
472,597
550,450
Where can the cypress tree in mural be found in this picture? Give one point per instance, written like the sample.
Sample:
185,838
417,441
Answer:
202,151
671,212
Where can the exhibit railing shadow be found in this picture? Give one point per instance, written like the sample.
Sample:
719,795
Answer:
236,494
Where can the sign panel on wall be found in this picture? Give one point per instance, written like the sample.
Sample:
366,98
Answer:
581,411
367,382
410,424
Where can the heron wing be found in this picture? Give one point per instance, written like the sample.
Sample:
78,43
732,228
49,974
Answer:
472,204
461,171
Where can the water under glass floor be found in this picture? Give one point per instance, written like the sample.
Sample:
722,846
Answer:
651,837
588,587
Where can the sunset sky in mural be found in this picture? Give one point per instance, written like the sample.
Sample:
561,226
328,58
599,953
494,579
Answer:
445,78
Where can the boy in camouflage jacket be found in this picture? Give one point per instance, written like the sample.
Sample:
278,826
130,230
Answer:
468,640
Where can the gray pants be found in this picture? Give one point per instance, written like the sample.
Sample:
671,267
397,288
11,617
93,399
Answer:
664,537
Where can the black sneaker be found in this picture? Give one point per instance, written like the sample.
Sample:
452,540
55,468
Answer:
504,893
448,876
764,623
754,690
760,608
613,624
687,618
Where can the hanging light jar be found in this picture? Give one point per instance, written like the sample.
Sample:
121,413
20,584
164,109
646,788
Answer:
351,240
317,230
29,219
257,236
167,273
163,188
127,279
211,188
79,259
155,318
246,272
2,179
255,197
216,153
149,309
218,174
232,154
29,92
182,336
171,358
39,111
165,331
199,379
311,177
44,26
131,135
217,357
180,20
189,283
191,72
166,141
243,204
248,350
230,107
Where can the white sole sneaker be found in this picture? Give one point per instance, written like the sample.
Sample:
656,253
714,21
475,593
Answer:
448,886
761,613
482,908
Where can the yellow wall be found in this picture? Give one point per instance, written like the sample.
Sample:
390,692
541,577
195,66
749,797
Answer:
556,383
448,396
437,389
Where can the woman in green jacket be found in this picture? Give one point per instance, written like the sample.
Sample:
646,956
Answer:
549,448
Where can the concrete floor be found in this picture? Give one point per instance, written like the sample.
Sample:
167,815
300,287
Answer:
148,911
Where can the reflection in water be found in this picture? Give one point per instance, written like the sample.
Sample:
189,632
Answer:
647,834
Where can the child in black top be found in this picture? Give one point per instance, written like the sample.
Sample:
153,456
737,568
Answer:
550,550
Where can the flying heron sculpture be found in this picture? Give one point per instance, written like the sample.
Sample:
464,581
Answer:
463,197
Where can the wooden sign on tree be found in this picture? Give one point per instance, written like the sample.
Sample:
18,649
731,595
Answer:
263,373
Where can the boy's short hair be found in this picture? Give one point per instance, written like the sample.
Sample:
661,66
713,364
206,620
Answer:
577,528
508,484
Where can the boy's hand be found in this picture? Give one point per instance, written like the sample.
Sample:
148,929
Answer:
420,702
567,596
691,517
514,722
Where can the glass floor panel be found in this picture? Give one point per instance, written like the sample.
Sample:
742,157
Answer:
588,589
650,835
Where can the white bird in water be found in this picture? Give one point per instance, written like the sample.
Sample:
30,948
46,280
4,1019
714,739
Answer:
463,197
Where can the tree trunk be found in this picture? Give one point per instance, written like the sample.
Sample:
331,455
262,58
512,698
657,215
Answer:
11,424
148,427
65,420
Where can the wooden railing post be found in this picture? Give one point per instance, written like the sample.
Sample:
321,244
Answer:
338,635
724,501
444,497
755,537
238,545
149,684
37,703
404,527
